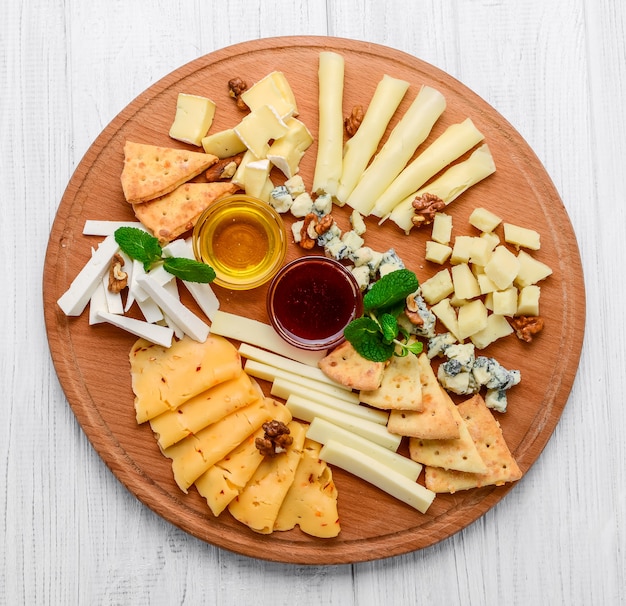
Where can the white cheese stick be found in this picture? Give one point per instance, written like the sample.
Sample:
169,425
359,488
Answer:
266,372
453,143
150,310
285,390
76,297
113,299
97,303
360,148
322,431
404,139
107,228
456,180
328,165
373,471
294,384
307,410
251,331
293,366
161,335
191,324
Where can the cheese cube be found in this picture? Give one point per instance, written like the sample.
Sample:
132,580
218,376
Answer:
528,301
485,284
480,251
437,253
272,90
447,315
521,236
472,318
256,175
442,228
285,153
259,127
491,237
437,287
465,283
223,144
194,116
505,301
462,249
503,267
497,327
530,271
484,219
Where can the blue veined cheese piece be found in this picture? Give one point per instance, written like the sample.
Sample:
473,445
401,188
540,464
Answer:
302,205
490,373
390,262
438,344
280,199
496,399
362,275
374,263
352,240
323,205
416,303
337,249
296,230
463,354
361,257
454,379
333,232
295,186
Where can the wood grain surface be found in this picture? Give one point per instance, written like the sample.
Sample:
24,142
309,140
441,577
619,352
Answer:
520,191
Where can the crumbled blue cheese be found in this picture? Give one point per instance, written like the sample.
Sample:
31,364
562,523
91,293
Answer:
357,222
323,205
463,354
418,305
333,232
280,199
361,256
438,344
296,230
302,205
337,249
362,275
375,262
352,240
456,380
390,262
295,186
496,399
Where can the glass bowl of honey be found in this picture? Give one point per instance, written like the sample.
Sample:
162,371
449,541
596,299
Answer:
243,239
311,300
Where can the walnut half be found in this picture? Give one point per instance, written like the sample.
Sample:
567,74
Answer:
526,327
275,439
118,279
236,86
425,207
353,121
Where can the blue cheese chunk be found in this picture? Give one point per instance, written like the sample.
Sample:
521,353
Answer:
362,275
333,232
280,199
454,379
362,256
463,354
336,249
390,262
416,304
295,186
352,240
323,205
438,344
302,205
496,399
296,230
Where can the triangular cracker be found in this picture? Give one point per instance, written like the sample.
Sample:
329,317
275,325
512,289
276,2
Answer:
400,388
173,214
346,366
460,453
435,421
151,171
487,435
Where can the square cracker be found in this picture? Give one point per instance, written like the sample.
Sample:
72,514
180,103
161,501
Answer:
173,214
487,436
436,420
151,171
400,388
346,366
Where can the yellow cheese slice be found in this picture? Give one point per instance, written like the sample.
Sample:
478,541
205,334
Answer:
204,409
197,453
163,378
220,484
311,502
259,503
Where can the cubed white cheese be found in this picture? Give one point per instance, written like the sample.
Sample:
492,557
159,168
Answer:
437,287
442,228
503,267
437,253
521,236
484,219
302,205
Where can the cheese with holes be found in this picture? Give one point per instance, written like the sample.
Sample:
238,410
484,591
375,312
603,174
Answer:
163,378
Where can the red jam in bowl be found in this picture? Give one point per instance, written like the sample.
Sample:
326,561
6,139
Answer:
311,300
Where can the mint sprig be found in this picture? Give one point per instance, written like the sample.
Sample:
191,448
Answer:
143,247
376,335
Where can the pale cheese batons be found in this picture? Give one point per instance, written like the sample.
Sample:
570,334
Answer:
359,149
452,144
311,502
456,180
165,377
220,484
197,453
204,409
260,501
412,130
329,161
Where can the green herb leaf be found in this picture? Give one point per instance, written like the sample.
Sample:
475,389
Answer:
415,347
390,289
388,327
189,270
365,336
139,245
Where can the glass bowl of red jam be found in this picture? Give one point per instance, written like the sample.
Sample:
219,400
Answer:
311,300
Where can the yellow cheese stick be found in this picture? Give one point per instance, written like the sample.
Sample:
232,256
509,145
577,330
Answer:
311,502
453,143
404,139
329,160
220,484
456,180
214,442
204,409
360,148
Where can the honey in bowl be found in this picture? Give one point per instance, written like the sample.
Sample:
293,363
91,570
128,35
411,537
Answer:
243,239
311,300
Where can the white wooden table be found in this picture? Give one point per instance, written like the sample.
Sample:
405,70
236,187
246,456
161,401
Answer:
72,534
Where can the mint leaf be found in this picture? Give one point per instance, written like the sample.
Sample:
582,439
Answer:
390,289
139,245
388,327
189,270
365,336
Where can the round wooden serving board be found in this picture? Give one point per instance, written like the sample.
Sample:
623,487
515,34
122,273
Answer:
92,362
